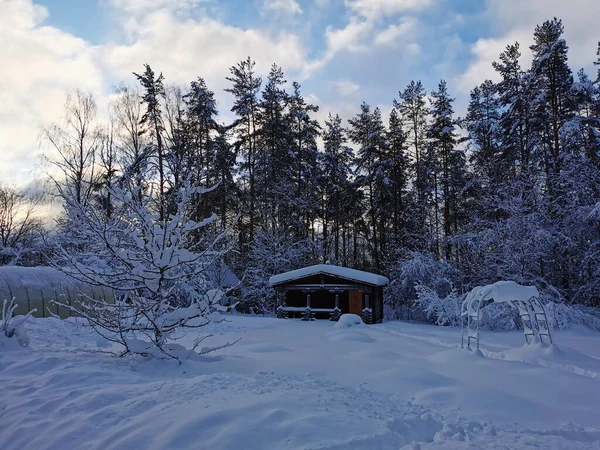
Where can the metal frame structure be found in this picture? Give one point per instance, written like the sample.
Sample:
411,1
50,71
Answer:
531,311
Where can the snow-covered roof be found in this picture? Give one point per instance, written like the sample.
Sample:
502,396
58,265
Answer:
334,271
504,291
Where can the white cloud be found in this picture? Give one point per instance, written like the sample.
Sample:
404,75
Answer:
373,9
352,38
282,6
390,35
357,35
345,88
39,64
184,50
515,20
139,7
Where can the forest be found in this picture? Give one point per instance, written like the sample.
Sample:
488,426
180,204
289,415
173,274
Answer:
436,202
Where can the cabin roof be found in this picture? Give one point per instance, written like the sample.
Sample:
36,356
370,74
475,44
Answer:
335,271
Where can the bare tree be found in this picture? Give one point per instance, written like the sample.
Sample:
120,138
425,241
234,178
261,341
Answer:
108,168
127,111
19,226
76,139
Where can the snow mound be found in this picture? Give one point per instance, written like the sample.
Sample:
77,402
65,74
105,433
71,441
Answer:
346,330
349,321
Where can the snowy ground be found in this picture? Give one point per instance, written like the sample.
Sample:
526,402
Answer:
290,384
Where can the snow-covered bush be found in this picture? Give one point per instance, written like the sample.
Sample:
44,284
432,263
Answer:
562,316
418,269
500,317
12,327
442,310
154,265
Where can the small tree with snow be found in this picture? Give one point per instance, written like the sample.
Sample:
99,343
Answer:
152,263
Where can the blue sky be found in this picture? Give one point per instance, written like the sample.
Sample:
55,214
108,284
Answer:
343,52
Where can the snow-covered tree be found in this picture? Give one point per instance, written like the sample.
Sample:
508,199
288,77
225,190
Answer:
446,167
303,133
422,278
373,173
245,87
272,253
151,263
153,126
335,188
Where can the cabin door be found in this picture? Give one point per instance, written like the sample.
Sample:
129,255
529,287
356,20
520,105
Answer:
355,302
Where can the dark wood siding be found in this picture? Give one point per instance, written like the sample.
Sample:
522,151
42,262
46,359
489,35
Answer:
319,299
378,306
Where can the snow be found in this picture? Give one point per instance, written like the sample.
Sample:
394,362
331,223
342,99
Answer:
303,385
335,271
504,291
348,321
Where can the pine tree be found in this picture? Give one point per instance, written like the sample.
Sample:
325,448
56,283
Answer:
334,186
367,131
200,127
273,172
552,81
516,97
447,164
412,106
398,159
152,122
304,131
483,125
245,87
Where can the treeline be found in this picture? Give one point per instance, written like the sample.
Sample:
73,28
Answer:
510,191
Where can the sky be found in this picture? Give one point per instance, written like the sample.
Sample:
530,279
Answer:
342,52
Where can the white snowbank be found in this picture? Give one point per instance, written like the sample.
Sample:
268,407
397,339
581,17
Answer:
349,321
335,271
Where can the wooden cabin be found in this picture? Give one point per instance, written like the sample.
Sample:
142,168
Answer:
324,291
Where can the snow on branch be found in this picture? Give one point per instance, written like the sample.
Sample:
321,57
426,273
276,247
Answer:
156,267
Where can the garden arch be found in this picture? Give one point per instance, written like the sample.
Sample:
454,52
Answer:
525,299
